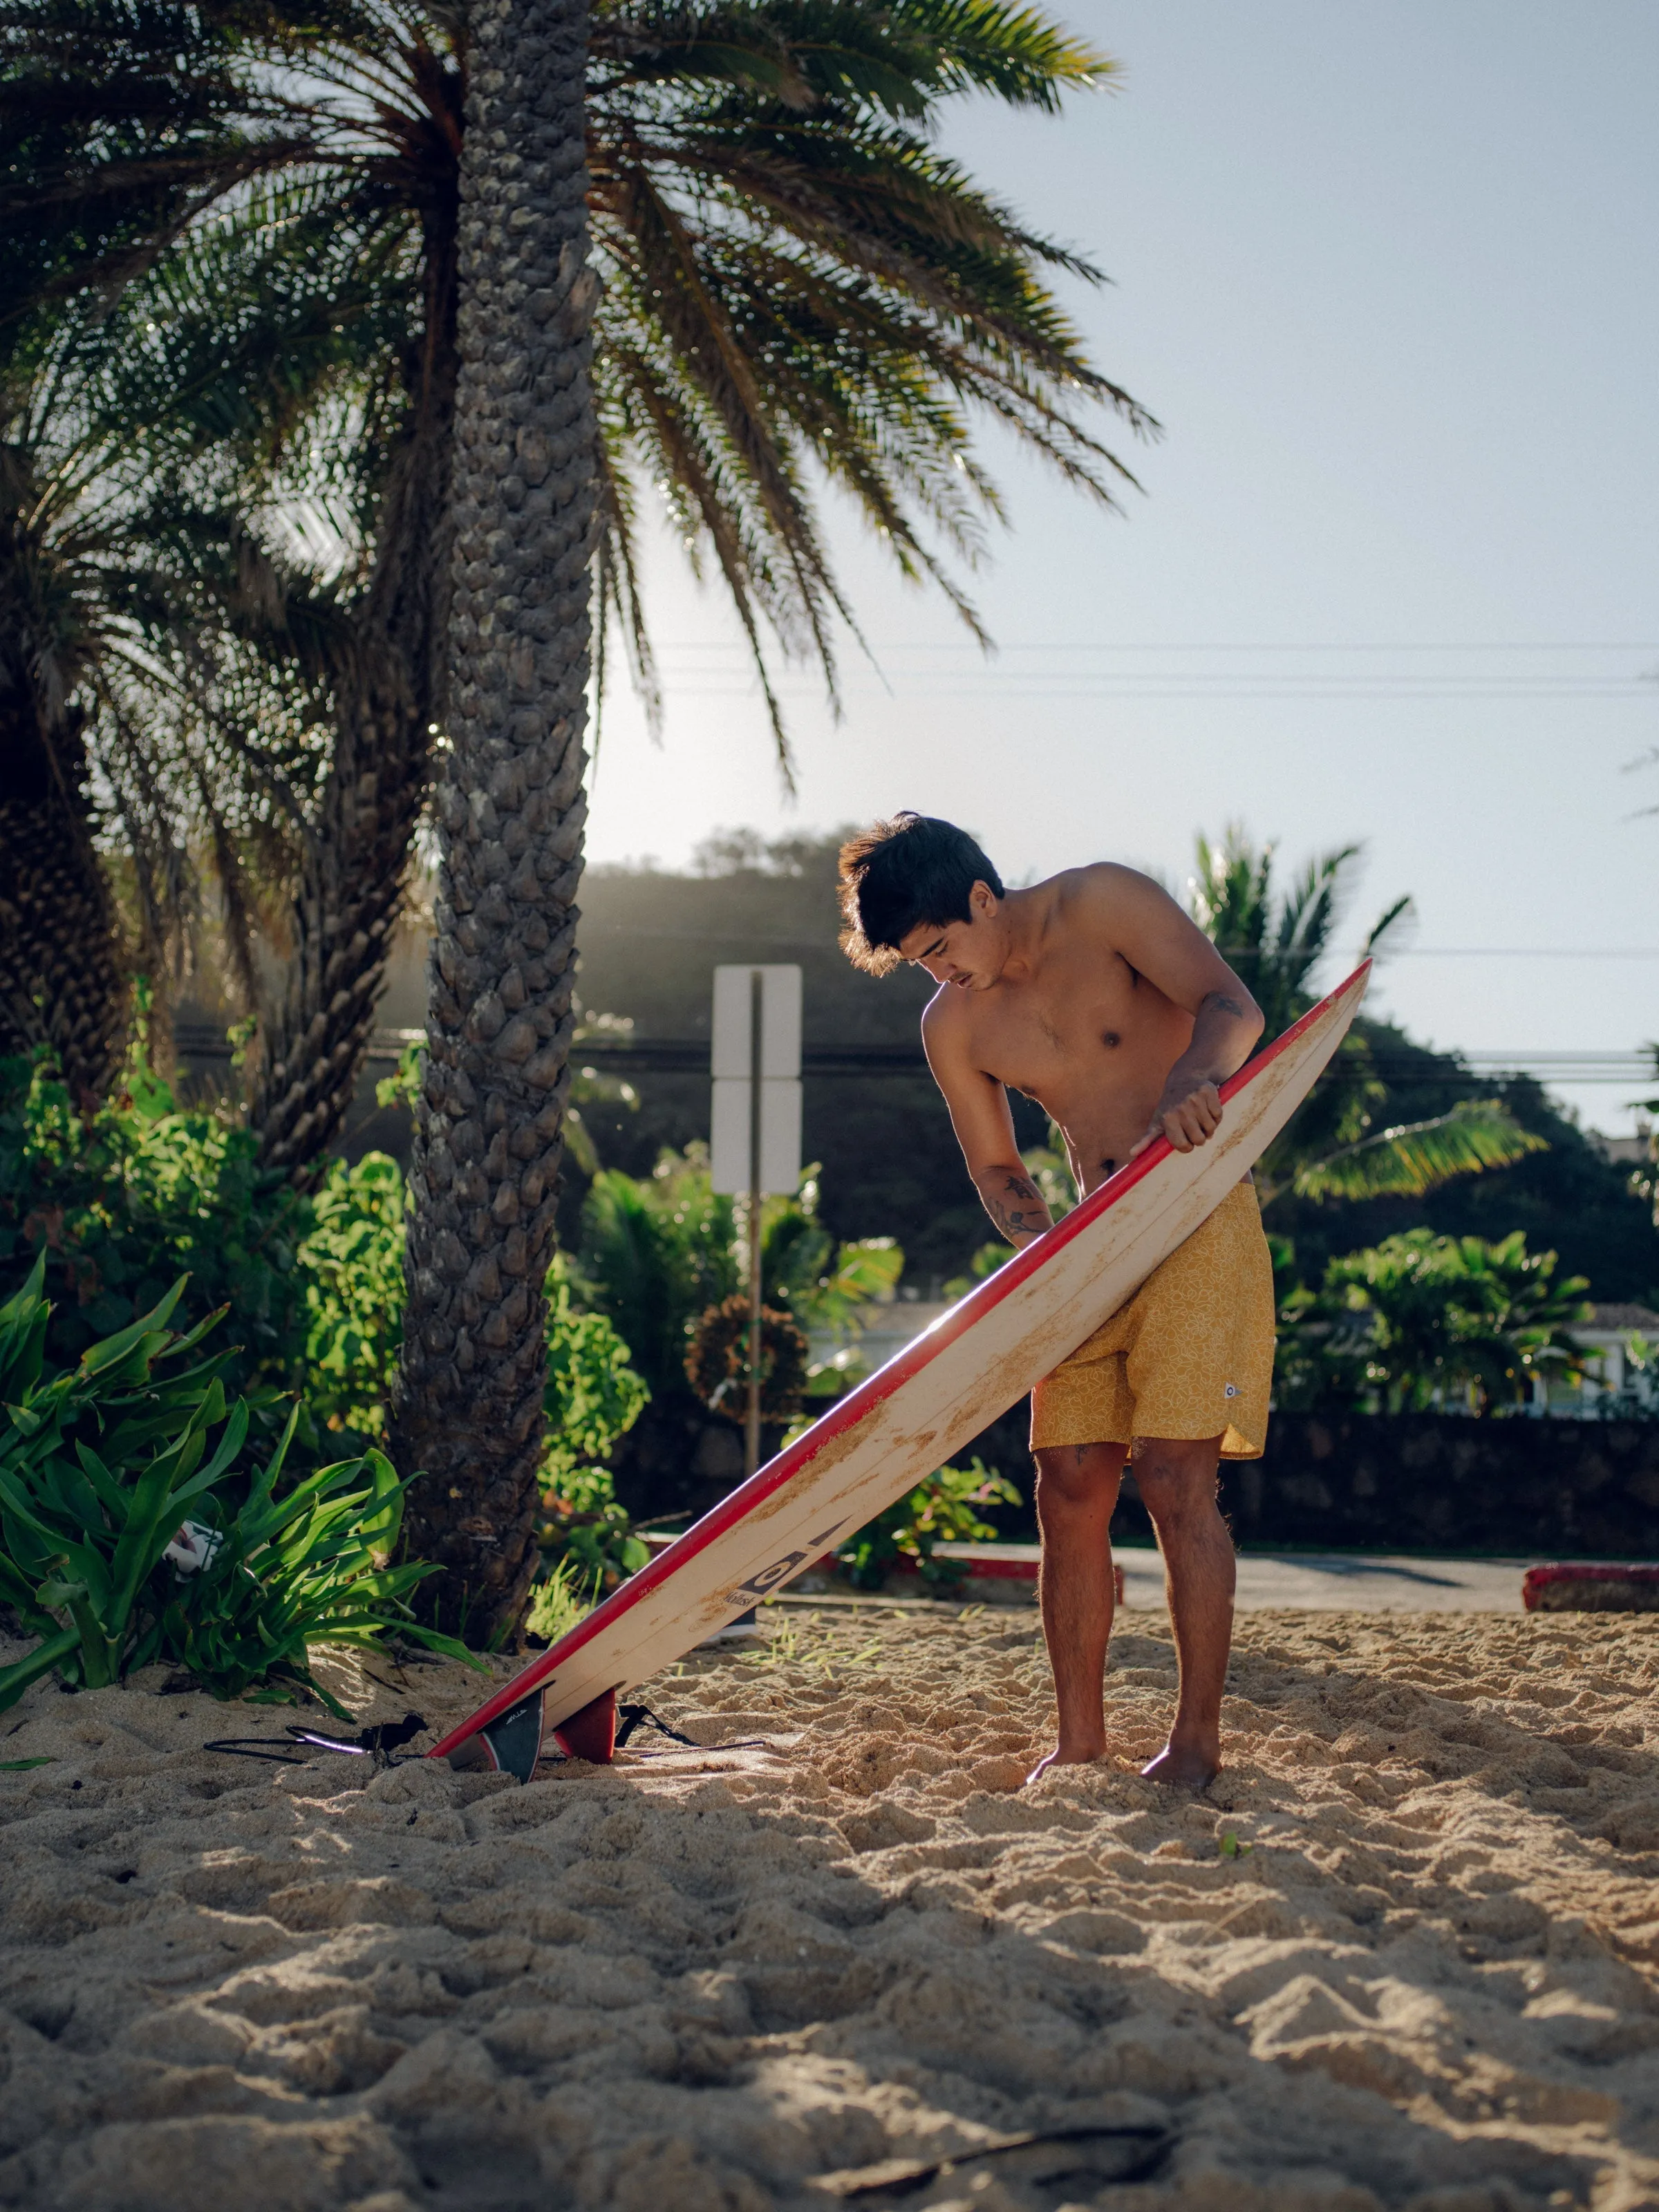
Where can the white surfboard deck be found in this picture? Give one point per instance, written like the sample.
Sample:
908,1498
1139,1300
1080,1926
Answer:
906,1420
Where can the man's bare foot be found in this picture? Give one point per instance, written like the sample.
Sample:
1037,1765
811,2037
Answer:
1065,1754
1181,1768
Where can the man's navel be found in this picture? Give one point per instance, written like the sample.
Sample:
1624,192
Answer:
1111,1039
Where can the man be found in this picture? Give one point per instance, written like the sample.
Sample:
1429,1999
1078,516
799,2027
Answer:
1094,995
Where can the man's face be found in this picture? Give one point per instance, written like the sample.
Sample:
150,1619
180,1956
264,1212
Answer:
970,954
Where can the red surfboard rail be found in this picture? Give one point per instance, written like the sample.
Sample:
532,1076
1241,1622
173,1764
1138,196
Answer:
848,1411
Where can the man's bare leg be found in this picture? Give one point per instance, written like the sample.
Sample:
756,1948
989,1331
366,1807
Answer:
1177,1485
1076,1493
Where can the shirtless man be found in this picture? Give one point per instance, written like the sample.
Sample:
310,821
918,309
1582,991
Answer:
1094,995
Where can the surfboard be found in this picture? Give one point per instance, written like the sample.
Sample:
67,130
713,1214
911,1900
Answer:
902,1422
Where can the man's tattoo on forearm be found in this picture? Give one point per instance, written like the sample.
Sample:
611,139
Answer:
1018,1221
1223,1004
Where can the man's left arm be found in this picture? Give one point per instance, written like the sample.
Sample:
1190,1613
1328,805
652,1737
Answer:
1169,949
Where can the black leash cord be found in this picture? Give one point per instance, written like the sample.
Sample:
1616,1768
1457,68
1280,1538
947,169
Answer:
378,1743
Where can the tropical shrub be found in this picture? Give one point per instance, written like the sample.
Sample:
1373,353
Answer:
587,1538
1421,1321
350,1262
939,1510
133,1527
658,1252
119,1205
595,1394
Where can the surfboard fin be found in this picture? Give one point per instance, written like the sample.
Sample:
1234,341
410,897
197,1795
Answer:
592,1733
511,1743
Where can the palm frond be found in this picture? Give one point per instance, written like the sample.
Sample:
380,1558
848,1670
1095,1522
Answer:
1387,928
797,283
1416,1158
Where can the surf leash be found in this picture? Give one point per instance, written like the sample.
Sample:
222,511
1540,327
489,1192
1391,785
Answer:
383,1742
379,1743
631,1718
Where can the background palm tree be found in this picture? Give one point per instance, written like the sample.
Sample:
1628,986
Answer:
794,281
321,298
62,969
1275,941
797,282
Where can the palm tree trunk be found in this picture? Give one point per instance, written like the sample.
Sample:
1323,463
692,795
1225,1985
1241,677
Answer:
390,695
63,980
345,908
467,1408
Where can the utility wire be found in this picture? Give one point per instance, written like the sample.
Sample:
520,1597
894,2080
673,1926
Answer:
690,1056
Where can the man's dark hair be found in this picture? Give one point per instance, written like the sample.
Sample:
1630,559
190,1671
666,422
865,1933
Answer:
900,874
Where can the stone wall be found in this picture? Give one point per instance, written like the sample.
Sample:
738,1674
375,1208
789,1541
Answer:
1433,1482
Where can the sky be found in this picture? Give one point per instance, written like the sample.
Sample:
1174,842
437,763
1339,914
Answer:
1385,275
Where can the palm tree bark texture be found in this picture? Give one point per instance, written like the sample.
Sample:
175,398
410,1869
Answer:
391,689
349,896
467,1408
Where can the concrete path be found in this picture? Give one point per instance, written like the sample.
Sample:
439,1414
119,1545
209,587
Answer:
1349,1582
1315,1582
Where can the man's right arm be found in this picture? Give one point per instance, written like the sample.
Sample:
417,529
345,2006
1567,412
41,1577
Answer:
985,1130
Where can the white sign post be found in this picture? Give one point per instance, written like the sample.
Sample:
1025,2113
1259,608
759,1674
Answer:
754,1127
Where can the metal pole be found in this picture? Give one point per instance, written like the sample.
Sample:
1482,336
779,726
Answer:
751,1427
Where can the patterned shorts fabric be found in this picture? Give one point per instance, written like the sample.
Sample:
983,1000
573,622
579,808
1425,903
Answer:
1191,1355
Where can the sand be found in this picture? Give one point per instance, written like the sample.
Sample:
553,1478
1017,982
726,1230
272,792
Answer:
721,1981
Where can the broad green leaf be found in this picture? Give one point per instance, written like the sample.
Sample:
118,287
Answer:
46,1654
113,1349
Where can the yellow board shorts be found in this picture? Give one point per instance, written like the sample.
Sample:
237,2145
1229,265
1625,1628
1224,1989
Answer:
1191,1355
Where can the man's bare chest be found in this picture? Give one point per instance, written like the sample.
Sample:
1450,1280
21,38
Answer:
1077,1019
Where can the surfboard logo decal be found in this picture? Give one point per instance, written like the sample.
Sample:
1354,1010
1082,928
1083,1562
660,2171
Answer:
780,1569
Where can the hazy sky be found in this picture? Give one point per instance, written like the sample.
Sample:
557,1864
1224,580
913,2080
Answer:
1387,276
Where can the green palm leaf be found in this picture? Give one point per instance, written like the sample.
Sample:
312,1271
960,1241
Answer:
1418,1156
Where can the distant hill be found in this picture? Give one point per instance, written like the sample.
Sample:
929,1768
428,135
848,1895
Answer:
650,942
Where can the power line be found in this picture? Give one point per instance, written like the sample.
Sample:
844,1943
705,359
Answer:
718,668
690,1056
1014,688
1080,645
1237,951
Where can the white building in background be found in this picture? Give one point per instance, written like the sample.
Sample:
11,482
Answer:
885,1326
1621,1344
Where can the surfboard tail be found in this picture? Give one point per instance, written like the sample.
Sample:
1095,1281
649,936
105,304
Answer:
512,1742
